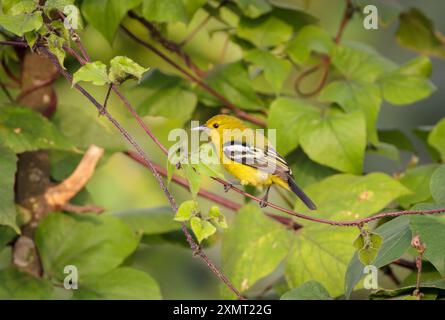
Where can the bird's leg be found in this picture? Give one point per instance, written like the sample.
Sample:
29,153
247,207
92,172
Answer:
229,185
263,202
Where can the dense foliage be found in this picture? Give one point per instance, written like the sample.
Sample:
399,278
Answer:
270,64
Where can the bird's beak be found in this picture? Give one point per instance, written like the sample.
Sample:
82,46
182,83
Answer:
201,128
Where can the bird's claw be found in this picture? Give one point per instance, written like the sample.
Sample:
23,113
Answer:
227,187
263,203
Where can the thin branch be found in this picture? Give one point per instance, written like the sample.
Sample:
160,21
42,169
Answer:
14,44
74,36
240,113
167,44
405,263
195,247
347,16
326,60
38,86
213,196
420,247
201,25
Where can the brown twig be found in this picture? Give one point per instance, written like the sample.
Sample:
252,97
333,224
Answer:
167,44
194,246
405,264
38,86
201,25
420,247
325,60
238,112
14,43
387,270
59,195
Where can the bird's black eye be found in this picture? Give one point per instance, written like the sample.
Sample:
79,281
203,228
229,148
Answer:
215,125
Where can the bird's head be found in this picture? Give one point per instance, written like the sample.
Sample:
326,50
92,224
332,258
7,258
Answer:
216,125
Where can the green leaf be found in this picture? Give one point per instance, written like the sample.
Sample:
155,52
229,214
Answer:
232,81
408,83
266,31
417,180
310,38
194,178
186,210
396,236
172,102
437,185
202,229
19,7
94,244
287,115
275,70
119,284
81,125
8,168
208,163
359,62
420,66
306,171
6,235
436,138
385,150
368,247
22,23
353,197
171,11
56,5
122,68
252,248
311,290
217,217
18,285
55,46
353,96
22,129
149,221
417,32
95,72
432,233
396,138
106,15
320,253
336,140
253,8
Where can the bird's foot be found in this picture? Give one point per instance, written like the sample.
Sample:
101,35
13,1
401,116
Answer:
227,187
263,203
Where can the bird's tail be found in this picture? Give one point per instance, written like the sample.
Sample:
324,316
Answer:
300,193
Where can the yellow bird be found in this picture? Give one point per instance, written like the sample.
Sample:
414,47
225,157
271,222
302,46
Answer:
248,156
